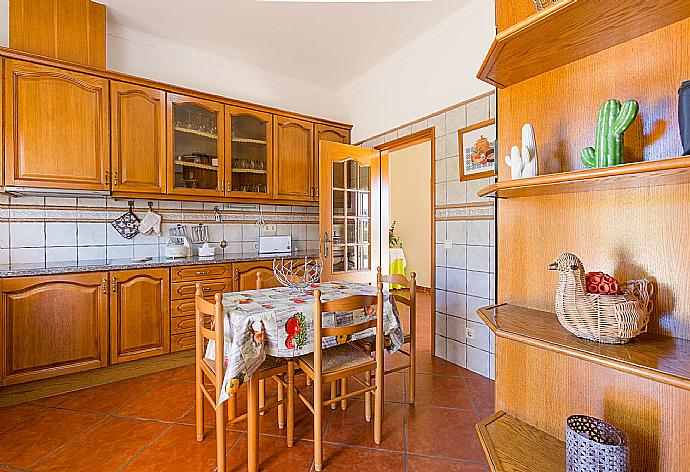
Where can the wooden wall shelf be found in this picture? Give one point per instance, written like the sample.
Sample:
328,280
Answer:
660,358
572,30
639,174
510,444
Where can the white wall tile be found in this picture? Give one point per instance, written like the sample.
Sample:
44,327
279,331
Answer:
456,119
456,352
452,168
440,148
61,201
91,234
452,145
419,126
192,205
457,231
27,234
492,367
440,194
439,123
474,304
440,255
28,201
61,254
283,230
474,186
478,232
456,192
455,328
91,253
4,235
492,105
481,336
478,361
61,234
4,256
215,232
392,136
456,257
479,258
441,231
146,250
147,239
456,304
27,255
492,342
402,132
98,202
478,284
440,324
456,280
441,301
440,171
232,232
440,345
313,232
441,278
120,252
478,111
299,232
250,233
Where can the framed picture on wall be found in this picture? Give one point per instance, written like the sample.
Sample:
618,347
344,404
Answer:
477,144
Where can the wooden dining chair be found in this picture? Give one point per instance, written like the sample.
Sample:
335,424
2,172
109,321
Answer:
213,372
324,366
369,344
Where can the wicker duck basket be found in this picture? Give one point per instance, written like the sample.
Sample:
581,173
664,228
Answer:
612,319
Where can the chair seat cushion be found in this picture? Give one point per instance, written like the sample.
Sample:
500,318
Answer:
368,344
269,364
337,358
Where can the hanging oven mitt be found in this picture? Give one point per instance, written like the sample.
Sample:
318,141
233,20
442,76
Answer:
127,225
151,223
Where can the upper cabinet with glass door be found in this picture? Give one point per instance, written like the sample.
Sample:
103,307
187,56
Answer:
195,146
249,162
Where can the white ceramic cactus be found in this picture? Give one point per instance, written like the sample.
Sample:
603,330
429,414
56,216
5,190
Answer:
524,164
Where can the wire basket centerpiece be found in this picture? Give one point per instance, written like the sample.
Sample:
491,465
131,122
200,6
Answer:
297,274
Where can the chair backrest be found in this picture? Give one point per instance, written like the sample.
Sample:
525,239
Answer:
205,310
351,303
410,287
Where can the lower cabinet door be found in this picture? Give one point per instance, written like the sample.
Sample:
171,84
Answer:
246,272
139,314
53,325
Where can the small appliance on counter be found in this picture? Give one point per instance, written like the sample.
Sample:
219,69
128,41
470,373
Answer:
274,245
178,244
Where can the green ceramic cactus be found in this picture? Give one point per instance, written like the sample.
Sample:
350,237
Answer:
614,120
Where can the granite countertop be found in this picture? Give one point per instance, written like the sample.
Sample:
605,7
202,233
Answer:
71,267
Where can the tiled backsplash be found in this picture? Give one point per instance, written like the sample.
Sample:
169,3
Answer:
39,229
465,228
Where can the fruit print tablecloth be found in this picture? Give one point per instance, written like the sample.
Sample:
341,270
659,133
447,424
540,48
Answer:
279,322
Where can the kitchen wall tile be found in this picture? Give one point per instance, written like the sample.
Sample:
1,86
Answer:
367,144
479,258
113,238
456,119
61,234
313,232
250,232
91,234
481,336
97,202
452,168
299,232
22,255
456,280
4,235
492,106
474,186
215,232
441,278
313,246
452,145
440,198
145,239
440,255
456,192
91,253
419,126
146,250
440,323
439,123
61,254
232,232
27,234
402,132
120,252
233,248
478,232
212,206
61,202
440,346
26,212
441,231
478,361
283,230
192,206
492,366
492,341
478,111
377,141
249,247
478,284
171,205
457,231
440,171
456,352
474,304
455,328
456,304
440,148
441,301
4,256
392,136
456,257
28,201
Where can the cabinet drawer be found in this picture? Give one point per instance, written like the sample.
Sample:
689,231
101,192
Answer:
182,290
183,325
201,272
180,308
181,342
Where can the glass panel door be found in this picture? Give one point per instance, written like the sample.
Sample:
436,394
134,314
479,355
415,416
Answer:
250,160
196,146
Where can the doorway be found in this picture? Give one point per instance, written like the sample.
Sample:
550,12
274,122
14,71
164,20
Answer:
407,208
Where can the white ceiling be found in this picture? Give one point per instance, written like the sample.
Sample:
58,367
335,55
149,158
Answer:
328,45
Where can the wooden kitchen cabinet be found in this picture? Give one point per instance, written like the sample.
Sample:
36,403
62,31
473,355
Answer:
245,275
182,290
326,133
249,155
53,325
196,146
293,159
139,314
57,132
138,139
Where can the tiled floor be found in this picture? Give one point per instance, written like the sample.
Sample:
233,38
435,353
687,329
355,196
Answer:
146,424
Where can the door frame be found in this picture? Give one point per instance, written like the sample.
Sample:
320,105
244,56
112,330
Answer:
423,136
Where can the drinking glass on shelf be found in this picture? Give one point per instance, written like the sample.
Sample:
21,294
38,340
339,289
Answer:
263,188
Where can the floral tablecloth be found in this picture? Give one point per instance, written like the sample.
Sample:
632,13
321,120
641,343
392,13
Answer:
279,322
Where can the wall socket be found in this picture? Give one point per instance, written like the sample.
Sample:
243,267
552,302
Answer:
270,229
469,333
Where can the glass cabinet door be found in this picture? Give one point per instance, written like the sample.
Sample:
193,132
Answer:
249,166
196,148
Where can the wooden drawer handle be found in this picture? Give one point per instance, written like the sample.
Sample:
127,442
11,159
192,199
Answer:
202,272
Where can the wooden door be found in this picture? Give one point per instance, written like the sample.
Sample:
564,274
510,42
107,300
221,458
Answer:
350,212
246,272
138,139
53,325
331,134
294,159
249,154
56,128
139,314
196,146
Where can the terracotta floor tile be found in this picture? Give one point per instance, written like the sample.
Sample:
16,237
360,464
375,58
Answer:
445,433
185,374
178,450
347,459
104,398
442,391
11,416
423,464
428,364
34,439
482,391
274,455
169,401
351,428
124,438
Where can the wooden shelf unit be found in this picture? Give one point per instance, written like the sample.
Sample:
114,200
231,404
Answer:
660,358
197,133
250,171
196,165
506,439
571,30
249,141
639,174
